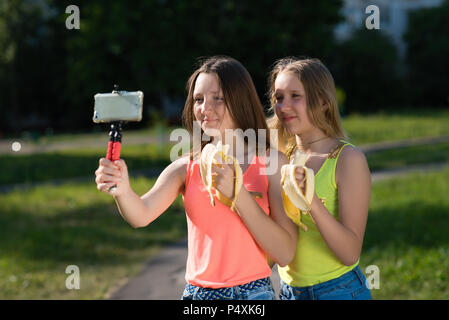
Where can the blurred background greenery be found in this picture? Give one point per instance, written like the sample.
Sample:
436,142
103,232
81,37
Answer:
49,74
391,89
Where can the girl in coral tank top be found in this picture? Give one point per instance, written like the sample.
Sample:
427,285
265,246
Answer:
227,249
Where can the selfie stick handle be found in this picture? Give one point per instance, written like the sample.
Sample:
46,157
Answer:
115,136
115,140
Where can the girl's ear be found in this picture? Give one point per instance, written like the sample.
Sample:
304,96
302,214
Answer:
324,105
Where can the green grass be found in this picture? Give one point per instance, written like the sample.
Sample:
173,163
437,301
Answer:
70,163
46,229
407,236
366,129
362,130
401,157
75,163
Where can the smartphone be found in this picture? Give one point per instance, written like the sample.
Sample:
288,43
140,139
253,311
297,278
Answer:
118,106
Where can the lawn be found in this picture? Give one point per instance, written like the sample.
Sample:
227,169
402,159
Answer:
392,126
362,130
414,155
46,229
75,163
70,163
407,236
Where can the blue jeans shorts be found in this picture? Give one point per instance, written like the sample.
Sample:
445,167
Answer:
350,286
261,289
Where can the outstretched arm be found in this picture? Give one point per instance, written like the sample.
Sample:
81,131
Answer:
140,211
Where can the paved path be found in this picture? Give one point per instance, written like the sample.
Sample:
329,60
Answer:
162,277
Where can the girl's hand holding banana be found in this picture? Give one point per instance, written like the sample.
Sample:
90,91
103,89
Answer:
300,177
223,179
226,179
298,188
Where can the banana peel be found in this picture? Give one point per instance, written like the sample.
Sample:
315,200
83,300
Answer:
294,200
209,156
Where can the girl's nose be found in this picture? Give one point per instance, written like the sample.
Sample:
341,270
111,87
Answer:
206,106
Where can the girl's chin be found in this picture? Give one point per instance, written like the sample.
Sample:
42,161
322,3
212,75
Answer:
211,132
291,129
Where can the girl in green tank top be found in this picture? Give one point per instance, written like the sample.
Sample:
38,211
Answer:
325,266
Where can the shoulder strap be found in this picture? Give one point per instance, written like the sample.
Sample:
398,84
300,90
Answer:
335,154
337,149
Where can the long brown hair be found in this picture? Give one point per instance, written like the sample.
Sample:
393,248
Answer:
319,87
239,92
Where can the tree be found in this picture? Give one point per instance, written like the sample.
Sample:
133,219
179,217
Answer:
150,45
427,55
366,67
30,66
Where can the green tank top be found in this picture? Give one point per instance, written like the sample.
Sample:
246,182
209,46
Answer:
314,262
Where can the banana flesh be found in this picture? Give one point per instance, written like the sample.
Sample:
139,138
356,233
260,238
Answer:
209,156
295,201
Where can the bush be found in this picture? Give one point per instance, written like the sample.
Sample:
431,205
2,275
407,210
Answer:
53,73
427,55
366,68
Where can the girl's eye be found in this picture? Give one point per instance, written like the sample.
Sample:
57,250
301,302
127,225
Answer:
198,100
219,98
295,95
278,98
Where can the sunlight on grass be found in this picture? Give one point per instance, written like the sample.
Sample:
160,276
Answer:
366,129
76,163
407,238
402,157
44,230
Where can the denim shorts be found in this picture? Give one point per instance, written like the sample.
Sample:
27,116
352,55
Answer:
350,286
261,289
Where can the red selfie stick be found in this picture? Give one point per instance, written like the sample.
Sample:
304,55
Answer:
114,145
115,137
115,140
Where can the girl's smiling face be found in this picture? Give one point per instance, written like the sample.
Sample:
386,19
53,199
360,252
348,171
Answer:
291,103
209,107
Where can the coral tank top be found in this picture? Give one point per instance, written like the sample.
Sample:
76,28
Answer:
221,250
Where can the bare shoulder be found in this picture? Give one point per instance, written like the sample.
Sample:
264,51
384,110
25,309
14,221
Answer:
351,155
179,166
351,161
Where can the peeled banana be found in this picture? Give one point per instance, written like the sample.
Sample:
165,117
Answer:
208,157
295,201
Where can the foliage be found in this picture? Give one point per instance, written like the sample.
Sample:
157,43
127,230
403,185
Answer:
150,45
427,55
366,67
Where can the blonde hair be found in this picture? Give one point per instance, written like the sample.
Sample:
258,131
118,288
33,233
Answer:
321,97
